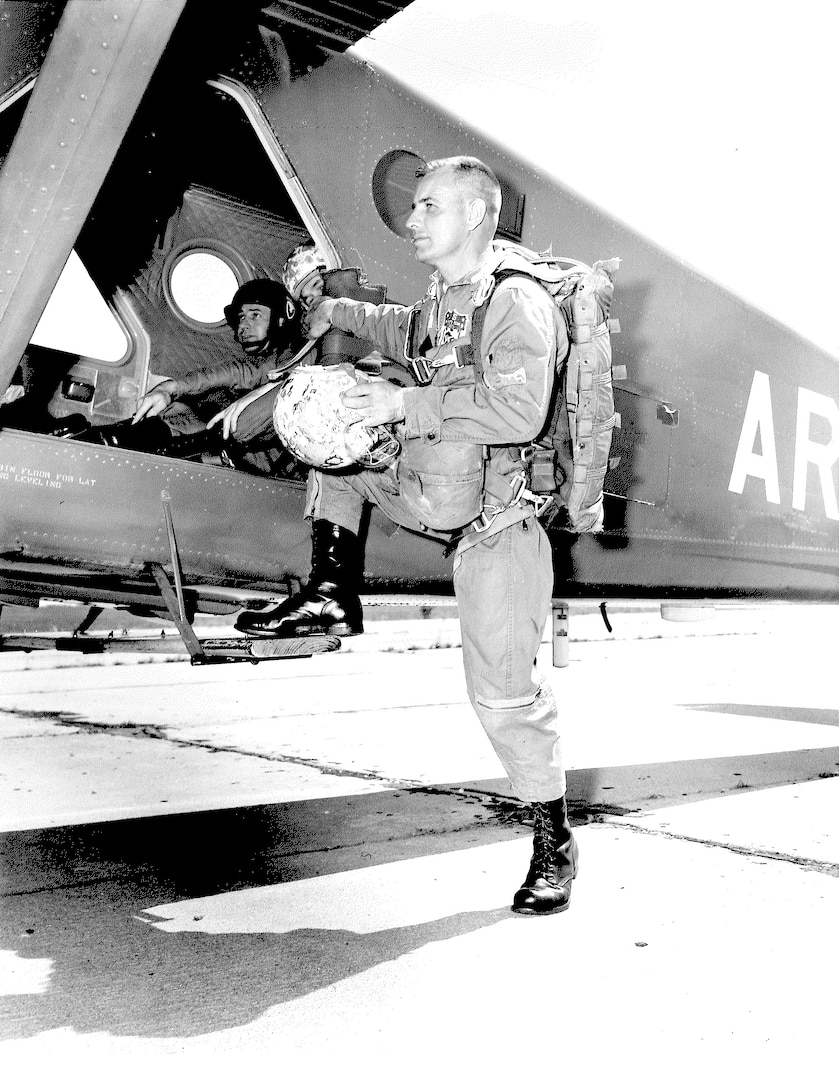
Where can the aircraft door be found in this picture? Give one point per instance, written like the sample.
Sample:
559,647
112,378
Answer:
212,243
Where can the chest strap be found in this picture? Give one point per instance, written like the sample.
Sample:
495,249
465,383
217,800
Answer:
418,345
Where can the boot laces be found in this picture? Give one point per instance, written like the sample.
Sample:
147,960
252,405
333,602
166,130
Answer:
544,842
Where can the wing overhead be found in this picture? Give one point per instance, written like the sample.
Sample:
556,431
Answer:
330,24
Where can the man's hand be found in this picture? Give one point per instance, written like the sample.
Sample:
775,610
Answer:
229,417
12,393
379,401
153,403
319,317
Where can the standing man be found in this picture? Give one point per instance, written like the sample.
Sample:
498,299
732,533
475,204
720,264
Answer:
461,477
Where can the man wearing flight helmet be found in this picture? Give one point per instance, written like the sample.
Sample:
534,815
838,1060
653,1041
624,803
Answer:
261,315
306,279
303,283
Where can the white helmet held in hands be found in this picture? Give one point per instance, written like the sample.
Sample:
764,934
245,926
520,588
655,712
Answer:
320,430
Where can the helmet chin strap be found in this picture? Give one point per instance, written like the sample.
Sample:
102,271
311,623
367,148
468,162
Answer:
254,348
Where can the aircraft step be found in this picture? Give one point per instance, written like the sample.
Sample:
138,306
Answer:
253,648
214,649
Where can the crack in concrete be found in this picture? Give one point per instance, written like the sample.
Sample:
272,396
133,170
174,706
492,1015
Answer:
505,810
60,716
817,865
129,730
292,759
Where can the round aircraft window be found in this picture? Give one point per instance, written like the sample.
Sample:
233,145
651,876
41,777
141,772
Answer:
394,184
200,283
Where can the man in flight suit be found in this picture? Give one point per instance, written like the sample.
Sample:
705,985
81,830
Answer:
260,316
460,476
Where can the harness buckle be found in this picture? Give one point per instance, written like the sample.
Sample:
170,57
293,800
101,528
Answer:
522,493
519,486
413,349
461,356
483,521
541,503
421,370
486,517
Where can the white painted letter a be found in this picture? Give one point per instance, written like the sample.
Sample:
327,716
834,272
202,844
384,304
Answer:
758,419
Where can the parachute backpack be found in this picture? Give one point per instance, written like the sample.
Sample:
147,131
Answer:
568,463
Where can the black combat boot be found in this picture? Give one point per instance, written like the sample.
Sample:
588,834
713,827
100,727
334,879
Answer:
547,887
328,603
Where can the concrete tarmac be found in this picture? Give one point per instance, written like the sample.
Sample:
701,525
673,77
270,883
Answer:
308,864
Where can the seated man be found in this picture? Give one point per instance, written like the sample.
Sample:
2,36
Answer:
262,317
306,279
251,416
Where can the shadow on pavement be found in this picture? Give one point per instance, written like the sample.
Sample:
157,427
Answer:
111,972
789,713
74,898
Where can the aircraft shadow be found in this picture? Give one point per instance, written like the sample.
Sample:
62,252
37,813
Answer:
792,713
75,896
112,973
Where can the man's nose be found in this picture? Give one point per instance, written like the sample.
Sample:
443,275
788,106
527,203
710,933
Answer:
413,221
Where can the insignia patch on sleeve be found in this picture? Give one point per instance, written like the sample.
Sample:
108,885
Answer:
497,380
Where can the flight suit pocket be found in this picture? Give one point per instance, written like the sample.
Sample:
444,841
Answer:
442,484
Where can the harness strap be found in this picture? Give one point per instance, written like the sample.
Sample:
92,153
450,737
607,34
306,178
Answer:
480,312
417,344
499,492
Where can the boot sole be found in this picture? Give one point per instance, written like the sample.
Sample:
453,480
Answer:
534,911
338,630
551,911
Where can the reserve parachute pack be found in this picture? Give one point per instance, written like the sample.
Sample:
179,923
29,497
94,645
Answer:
567,465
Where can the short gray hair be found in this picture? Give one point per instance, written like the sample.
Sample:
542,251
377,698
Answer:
473,173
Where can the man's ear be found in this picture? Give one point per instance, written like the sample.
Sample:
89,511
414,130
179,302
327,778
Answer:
476,213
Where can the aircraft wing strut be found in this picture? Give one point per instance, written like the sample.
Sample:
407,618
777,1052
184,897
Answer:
83,101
